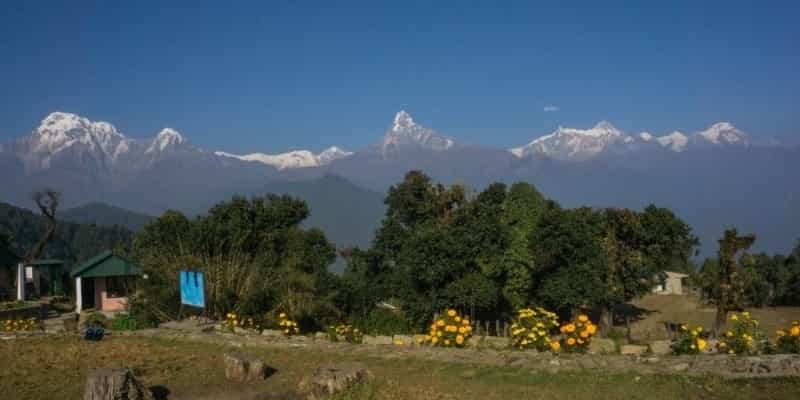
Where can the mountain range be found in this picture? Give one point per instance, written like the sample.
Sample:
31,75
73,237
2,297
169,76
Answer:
714,178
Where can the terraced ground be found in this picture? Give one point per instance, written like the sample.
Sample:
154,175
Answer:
50,367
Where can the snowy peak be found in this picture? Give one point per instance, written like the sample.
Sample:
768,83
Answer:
574,144
675,141
292,159
724,133
646,136
406,133
60,131
168,138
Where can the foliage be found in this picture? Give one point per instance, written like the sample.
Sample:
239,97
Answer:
577,334
728,287
255,256
287,326
18,325
126,322
350,333
449,330
742,336
788,341
531,329
384,322
690,341
97,319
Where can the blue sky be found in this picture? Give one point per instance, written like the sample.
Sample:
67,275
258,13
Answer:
278,75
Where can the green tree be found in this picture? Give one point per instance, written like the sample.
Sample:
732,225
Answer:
730,290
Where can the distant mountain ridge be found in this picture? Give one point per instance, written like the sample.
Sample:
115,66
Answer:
106,215
715,178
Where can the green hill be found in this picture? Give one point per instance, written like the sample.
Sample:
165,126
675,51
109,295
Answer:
73,242
106,215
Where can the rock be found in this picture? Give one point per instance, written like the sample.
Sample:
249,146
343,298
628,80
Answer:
495,342
317,336
377,340
114,384
661,347
334,378
404,340
273,333
602,346
632,350
243,368
680,367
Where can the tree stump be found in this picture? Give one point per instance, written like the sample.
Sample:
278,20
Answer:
243,368
334,378
114,384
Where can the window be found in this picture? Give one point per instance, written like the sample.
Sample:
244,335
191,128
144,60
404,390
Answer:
118,286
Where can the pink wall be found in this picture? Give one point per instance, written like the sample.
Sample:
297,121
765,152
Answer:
101,299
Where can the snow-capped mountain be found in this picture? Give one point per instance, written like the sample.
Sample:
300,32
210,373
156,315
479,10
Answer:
292,159
405,133
724,133
167,139
573,144
582,144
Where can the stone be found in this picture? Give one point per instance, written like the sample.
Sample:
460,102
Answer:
404,340
602,346
273,333
243,368
495,342
661,347
386,340
114,384
632,350
334,378
680,367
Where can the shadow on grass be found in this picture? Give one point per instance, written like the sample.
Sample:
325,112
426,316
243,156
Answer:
159,392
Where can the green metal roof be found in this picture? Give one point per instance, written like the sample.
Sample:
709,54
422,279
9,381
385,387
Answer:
106,264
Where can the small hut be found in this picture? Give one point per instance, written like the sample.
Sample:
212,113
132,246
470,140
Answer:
672,284
104,282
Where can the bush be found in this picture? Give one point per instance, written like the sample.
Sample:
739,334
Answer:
577,334
125,322
742,337
350,334
232,320
16,325
690,341
287,326
449,330
788,341
532,329
384,322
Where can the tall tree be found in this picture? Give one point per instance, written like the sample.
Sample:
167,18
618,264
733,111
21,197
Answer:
729,295
47,202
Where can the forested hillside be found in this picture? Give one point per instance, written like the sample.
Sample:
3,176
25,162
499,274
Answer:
73,242
106,215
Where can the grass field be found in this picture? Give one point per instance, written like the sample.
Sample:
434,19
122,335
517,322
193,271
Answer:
656,309
55,368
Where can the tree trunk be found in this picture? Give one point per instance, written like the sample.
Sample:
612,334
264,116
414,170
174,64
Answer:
721,319
606,318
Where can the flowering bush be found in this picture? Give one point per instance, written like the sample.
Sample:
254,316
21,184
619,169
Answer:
16,325
577,334
350,333
288,326
690,341
788,341
451,330
532,329
741,337
236,321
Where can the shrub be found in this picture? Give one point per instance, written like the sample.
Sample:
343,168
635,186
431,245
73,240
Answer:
97,319
350,334
288,326
450,330
690,341
531,329
16,325
125,322
742,336
577,334
384,322
232,320
788,341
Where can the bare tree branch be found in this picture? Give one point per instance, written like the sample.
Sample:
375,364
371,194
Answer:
47,201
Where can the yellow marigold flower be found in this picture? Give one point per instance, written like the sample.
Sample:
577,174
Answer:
571,341
794,331
440,323
693,346
447,342
584,334
570,328
439,333
435,340
459,339
464,321
729,334
451,312
684,328
722,345
580,341
734,317
555,345
462,330
583,318
591,328
286,331
282,315
457,318
701,344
